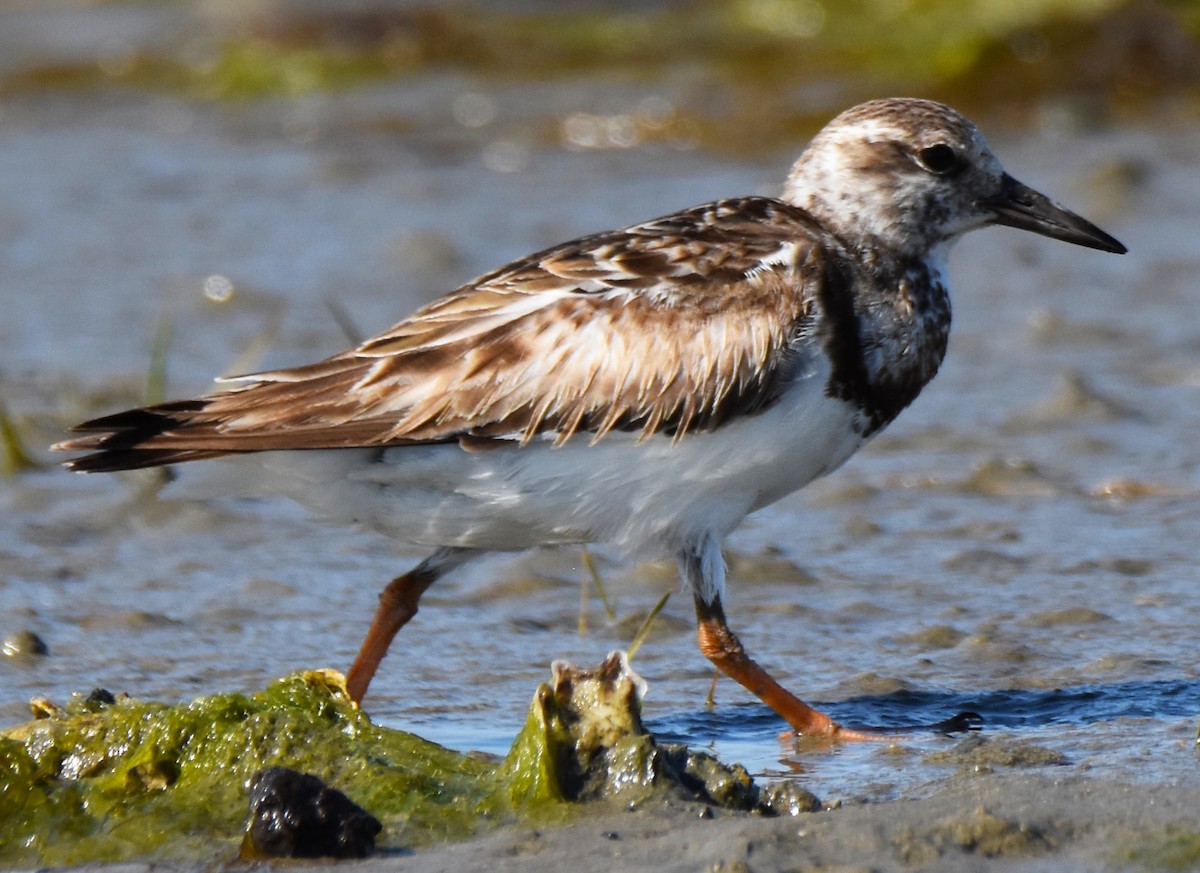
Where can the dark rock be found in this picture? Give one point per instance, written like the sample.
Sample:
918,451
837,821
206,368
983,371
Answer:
295,815
98,699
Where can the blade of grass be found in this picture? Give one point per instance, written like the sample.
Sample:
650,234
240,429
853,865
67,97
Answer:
352,331
584,590
14,458
589,564
155,390
644,630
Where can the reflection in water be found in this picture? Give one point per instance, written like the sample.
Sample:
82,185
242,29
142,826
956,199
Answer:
1000,710
1108,728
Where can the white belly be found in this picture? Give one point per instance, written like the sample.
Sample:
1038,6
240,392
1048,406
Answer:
654,494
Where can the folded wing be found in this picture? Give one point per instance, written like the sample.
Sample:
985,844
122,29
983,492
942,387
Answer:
668,327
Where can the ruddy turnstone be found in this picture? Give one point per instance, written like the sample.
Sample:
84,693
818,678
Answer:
648,387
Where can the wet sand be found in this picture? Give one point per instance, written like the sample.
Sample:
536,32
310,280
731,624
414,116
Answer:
976,823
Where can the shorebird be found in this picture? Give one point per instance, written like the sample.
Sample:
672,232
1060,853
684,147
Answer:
648,387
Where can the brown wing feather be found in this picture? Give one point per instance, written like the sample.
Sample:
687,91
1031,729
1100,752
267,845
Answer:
670,326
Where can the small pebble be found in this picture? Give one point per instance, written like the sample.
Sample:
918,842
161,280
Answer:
98,699
25,644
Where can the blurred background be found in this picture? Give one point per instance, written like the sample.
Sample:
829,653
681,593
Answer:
740,76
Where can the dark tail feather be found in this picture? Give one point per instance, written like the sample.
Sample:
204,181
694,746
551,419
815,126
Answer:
118,441
139,424
110,461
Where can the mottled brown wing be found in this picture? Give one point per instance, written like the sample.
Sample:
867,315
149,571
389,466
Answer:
670,326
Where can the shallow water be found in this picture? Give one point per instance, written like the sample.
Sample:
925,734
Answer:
1021,543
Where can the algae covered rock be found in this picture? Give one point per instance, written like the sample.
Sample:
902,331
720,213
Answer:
584,740
141,780
109,778
580,725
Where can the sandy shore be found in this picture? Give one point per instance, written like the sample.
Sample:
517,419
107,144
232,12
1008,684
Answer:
975,822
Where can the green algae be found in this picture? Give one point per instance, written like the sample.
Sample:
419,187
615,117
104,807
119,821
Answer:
1174,847
168,782
754,57
14,458
578,720
977,833
119,779
976,755
584,741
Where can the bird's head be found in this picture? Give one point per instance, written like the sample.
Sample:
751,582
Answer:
913,175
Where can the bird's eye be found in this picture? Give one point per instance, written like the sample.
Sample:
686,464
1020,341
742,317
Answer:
940,159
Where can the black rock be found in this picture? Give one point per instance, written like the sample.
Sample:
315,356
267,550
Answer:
295,815
99,698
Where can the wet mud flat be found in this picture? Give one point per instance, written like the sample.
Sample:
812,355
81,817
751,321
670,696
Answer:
1021,543
114,780
1001,822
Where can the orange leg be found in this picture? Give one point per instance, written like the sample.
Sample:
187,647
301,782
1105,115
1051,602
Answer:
397,605
721,646
702,568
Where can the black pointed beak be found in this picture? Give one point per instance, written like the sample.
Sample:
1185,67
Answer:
1020,206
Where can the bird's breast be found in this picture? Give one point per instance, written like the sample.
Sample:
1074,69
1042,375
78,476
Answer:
886,339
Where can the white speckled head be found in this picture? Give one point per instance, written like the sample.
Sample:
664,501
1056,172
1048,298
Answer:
910,176
906,173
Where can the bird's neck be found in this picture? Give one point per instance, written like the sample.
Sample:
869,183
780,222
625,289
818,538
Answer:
869,220
886,331
888,266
